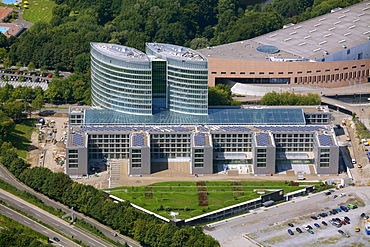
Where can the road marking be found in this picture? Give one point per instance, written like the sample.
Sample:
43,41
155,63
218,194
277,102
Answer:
45,231
20,206
26,222
38,215
56,224
92,243
9,213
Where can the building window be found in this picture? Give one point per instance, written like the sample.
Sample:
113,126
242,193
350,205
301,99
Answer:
223,73
261,73
233,73
348,51
345,68
354,67
280,73
359,56
251,73
318,71
309,72
336,69
289,73
271,73
242,73
299,72
362,65
213,73
327,70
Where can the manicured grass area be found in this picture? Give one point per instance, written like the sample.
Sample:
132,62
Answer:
182,197
39,10
21,137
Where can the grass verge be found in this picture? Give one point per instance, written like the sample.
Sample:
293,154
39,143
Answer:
183,197
21,137
39,10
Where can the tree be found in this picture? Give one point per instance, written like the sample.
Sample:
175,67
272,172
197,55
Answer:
15,109
31,66
3,53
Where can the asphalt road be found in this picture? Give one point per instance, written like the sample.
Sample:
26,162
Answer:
51,220
36,226
7,177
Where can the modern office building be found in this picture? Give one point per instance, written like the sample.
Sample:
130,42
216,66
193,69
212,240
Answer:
332,50
129,81
150,109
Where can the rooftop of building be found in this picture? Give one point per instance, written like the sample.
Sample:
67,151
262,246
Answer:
9,29
4,12
120,51
201,132
306,41
215,116
176,51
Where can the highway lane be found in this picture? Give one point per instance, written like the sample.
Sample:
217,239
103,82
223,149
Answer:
36,226
9,178
51,220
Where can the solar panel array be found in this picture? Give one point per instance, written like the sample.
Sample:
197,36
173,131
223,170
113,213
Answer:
77,140
200,139
263,139
138,140
203,128
135,128
291,128
325,140
231,128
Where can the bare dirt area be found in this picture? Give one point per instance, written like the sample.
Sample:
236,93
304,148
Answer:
269,226
47,146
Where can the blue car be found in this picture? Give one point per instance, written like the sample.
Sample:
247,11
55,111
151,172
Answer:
317,225
290,232
344,208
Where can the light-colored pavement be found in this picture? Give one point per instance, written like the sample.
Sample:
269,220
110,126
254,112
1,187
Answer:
269,226
51,220
36,226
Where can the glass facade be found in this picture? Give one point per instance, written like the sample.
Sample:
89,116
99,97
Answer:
121,79
159,84
187,78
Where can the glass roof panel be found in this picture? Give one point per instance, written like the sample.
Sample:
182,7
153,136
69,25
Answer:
215,116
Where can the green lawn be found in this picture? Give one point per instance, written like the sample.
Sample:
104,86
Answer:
39,10
182,197
21,137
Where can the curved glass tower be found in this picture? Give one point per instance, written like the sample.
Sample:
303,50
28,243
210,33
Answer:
187,78
121,79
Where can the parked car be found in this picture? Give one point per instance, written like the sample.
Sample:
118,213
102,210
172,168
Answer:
56,239
357,229
290,224
315,218
317,225
328,193
310,231
334,196
299,230
352,206
344,208
290,232
338,210
324,223
346,218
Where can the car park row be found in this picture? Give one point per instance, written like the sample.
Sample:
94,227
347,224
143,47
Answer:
337,221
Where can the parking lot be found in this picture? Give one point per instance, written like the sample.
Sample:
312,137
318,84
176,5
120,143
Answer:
24,78
269,226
